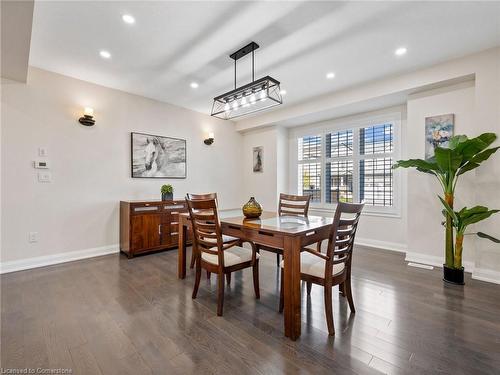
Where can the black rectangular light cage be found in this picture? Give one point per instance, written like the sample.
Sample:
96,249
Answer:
253,97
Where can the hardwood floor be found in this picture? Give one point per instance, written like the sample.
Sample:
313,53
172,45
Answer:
111,315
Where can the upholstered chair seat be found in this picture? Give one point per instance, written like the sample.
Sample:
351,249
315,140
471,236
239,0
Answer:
232,256
312,265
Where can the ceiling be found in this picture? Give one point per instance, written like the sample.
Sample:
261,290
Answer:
173,44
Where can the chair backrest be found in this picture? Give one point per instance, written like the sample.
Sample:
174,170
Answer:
207,233
293,204
201,196
341,241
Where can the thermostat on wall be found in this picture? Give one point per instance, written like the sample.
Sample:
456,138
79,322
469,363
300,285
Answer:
41,164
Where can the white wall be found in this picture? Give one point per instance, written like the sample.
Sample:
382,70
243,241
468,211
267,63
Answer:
261,185
487,177
282,159
427,237
90,166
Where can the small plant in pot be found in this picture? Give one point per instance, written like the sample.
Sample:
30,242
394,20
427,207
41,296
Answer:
447,165
167,193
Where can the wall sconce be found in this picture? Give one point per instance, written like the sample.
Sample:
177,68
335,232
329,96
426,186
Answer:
88,117
210,139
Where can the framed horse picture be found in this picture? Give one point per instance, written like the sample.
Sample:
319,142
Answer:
155,156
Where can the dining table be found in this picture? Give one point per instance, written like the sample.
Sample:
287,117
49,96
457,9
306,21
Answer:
290,233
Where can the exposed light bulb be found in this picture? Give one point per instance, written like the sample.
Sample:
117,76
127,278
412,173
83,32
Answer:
105,54
227,107
400,51
263,94
252,98
235,105
243,101
127,18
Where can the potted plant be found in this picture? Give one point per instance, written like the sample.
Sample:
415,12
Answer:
461,220
167,193
447,165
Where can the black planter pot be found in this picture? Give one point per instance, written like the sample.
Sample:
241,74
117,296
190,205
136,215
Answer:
453,275
167,196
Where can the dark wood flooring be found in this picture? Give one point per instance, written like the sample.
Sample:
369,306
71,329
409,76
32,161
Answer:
111,315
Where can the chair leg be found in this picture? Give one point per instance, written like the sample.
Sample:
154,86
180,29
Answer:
255,270
309,287
197,279
348,294
220,293
277,259
193,258
329,310
342,288
282,292
228,278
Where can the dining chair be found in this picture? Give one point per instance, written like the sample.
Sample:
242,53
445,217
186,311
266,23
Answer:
225,238
213,254
289,205
334,267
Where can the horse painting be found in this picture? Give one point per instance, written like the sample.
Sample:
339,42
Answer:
158,157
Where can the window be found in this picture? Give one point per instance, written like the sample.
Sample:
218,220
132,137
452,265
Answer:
353,165
309,168
375,173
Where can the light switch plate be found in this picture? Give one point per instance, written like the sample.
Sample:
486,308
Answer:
42,151
41,164
44,177
33,237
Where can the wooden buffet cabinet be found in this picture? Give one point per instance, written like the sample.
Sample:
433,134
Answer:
147,226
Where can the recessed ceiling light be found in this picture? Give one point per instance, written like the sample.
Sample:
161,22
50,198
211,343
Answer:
127,18
283,92
105,54
330,75
400,51
194,85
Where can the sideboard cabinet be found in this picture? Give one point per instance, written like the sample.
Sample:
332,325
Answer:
149,225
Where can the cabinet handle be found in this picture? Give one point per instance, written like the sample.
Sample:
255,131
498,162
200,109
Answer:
159,228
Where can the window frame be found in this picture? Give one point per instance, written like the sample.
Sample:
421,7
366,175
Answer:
355,125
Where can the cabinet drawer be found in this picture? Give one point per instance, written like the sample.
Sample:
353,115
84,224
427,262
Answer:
175,208
145,208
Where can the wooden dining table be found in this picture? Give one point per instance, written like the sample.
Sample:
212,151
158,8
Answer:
290,233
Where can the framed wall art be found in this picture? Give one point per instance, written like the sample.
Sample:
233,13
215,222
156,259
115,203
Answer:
155,156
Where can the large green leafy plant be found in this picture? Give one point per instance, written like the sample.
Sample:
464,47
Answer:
461,220
447,165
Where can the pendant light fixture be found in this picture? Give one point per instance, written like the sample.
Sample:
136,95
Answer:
255,96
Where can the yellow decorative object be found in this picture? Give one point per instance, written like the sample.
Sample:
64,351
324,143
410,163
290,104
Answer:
252,209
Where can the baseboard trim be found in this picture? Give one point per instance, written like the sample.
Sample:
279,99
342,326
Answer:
487,275
433,260
383,245
430,260
48,260
481,274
